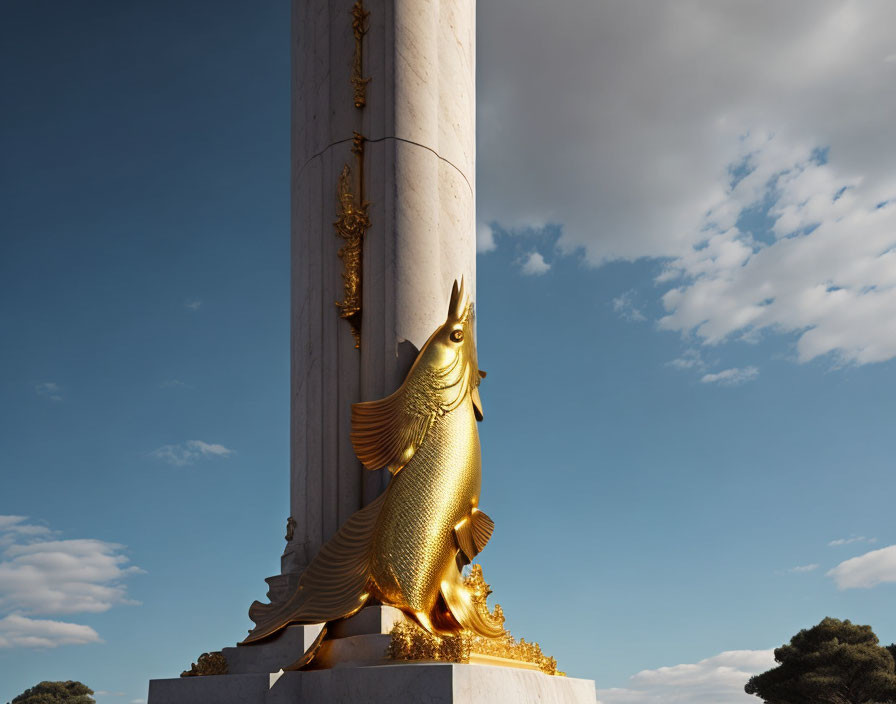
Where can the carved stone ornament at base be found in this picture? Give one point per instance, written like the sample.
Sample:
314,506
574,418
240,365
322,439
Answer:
207,664
410,642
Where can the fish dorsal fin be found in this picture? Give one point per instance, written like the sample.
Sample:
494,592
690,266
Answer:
387,433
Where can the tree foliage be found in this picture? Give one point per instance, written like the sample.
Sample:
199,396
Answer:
835,662
69,692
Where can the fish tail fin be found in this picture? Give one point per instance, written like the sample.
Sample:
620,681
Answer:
469,611
334,585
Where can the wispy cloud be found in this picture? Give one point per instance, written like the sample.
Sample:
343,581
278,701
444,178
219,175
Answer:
13,528
731,377
534,264
691,359
193,304
189,452
49,389
625,306
850,541
41,575
804,568
716,680
866,571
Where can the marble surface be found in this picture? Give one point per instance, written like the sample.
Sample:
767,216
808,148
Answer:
271,655
369,620
418,683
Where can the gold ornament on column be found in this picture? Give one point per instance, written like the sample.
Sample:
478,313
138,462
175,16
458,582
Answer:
359,29
351,226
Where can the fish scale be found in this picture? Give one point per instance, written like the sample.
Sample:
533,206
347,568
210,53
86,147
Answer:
414,540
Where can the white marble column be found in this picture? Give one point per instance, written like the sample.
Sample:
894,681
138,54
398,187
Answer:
419,178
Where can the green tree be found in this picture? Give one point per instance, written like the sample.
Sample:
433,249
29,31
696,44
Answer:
56,693
835,662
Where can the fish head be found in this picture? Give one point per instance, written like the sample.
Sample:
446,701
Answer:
449,356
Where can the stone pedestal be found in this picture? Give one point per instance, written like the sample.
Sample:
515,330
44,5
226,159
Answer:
360,640
352,667
415,683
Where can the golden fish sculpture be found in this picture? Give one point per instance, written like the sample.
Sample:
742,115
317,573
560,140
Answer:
407,547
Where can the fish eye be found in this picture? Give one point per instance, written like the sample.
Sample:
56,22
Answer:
457,335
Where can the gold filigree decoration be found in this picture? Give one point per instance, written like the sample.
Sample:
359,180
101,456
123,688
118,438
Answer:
359,29
207,664
352,224
410,642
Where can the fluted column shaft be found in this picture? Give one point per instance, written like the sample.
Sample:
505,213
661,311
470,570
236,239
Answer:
418,128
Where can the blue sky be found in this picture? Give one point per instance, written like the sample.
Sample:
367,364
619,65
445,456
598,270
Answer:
684,308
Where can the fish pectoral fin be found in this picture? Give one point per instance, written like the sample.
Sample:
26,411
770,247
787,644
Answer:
334,585
482,527
463,536
387,433
472,534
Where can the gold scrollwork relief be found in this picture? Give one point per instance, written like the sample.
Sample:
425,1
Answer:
351,225
359,29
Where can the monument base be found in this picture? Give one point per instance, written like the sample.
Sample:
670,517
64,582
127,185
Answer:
426,683
353,666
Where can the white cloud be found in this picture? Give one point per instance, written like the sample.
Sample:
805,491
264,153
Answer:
63,576
866,571
485,238
828,276
534,264
731,377
672,145
43,575
49,389
624,304
850,541
138,701
804,568
193,304
716,680
17,631
174,384
189,452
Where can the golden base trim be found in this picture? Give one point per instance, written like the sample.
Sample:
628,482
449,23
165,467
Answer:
410,642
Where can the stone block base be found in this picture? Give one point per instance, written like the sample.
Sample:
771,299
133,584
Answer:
412,683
